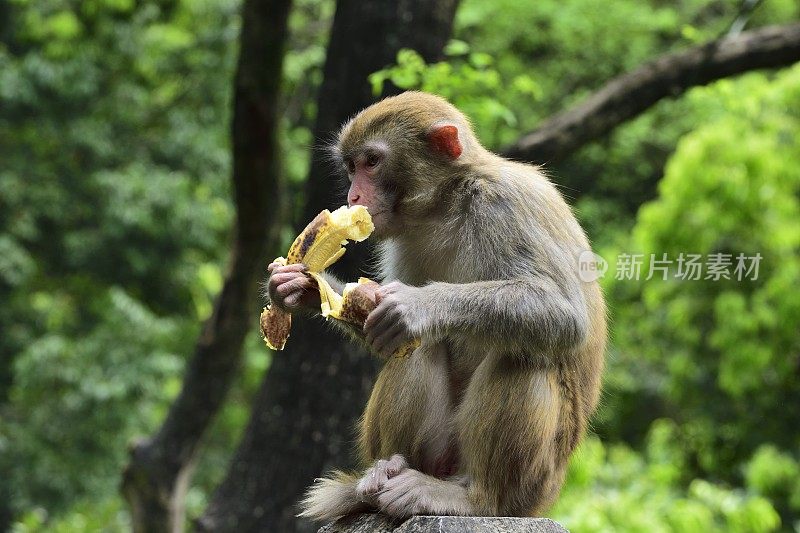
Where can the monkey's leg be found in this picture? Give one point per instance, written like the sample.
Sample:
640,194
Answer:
514,425
344,494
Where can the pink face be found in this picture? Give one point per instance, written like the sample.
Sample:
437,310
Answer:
364,170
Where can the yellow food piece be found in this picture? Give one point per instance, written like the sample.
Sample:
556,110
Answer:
346,307
330,300
275,326
355,304
350,299
318,246
321,244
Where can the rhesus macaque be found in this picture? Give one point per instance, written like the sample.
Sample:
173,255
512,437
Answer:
479,256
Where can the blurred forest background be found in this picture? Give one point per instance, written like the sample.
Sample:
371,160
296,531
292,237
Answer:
155,154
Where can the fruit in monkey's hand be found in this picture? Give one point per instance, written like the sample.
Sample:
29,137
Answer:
318,246
354,305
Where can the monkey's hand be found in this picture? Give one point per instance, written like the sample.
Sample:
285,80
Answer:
397,320
291,289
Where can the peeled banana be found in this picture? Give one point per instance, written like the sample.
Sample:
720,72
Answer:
356,303
318,246
321,244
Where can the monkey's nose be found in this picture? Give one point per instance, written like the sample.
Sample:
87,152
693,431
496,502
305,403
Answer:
352,199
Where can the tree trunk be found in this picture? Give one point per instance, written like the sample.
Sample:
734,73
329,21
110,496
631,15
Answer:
304,413
631,94
155,480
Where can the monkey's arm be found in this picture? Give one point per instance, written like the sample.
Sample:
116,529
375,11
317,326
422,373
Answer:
518,314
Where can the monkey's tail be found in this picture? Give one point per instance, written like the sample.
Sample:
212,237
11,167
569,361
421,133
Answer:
331,497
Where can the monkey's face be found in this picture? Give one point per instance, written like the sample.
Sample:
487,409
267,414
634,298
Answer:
396,153
371,186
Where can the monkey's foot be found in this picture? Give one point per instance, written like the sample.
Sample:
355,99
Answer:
413,493
376,477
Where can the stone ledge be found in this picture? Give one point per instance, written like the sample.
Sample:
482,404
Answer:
376,523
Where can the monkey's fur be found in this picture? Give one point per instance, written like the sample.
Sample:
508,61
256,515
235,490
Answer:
481,419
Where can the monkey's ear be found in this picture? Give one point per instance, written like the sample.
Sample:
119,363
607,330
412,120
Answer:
444,140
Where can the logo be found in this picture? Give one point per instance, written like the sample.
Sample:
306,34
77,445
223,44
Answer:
591,266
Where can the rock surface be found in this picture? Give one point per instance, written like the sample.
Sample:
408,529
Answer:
376,523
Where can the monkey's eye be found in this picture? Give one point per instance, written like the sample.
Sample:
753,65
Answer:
351,166
372,160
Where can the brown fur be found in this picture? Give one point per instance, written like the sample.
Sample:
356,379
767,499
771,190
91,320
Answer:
488,410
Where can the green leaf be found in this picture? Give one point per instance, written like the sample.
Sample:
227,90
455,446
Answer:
456,47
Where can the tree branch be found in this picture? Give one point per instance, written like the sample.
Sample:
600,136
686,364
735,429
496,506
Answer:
669,76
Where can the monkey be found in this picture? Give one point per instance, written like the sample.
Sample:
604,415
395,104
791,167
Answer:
478,259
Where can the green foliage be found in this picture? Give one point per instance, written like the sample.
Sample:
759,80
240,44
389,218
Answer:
613,488
524,61
571,48
114,220
105,514
776,475
78,401
468,81
726,351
